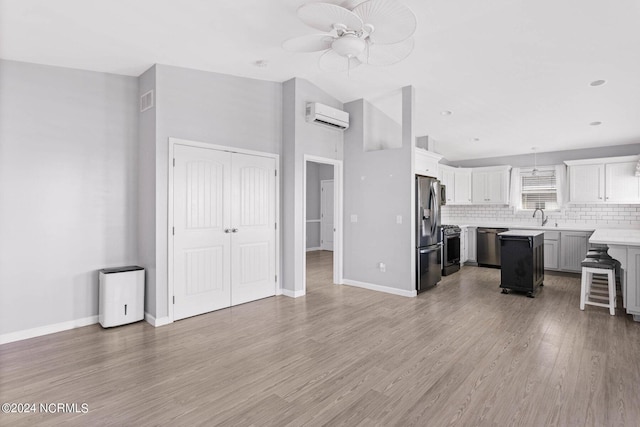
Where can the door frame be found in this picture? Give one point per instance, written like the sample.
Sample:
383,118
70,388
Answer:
170,255
322,210
337,218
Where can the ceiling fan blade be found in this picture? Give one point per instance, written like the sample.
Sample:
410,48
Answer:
331,61
387,54
350,4
309,43
392,21
324,16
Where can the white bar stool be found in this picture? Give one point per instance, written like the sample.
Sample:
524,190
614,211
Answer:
593,289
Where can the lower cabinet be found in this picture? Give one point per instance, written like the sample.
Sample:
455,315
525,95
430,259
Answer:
632,296
573,249
471,244
464,238
551,250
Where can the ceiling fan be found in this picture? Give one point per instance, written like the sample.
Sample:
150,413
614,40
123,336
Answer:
374,32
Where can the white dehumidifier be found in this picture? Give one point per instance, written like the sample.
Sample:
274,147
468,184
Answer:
121,296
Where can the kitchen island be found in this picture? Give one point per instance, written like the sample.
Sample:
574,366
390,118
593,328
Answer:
624,245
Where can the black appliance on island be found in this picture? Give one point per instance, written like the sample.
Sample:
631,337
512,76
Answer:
450,249
522,261
428,234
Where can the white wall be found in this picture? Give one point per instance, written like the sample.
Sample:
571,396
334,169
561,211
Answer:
68,185
211,108
316,172
301,138
378,189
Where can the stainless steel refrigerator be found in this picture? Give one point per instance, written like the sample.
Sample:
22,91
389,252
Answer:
428,233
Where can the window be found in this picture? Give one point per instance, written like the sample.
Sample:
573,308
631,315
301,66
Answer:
539,190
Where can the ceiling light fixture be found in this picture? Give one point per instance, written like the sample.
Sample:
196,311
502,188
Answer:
476,139
595,123
446,113
597,83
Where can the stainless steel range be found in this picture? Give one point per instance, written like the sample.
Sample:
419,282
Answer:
450,249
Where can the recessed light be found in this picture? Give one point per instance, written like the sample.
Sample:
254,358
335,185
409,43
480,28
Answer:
261,63
476,139
595,123
597,83
446,113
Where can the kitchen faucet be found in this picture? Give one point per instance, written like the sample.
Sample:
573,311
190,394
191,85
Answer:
544,220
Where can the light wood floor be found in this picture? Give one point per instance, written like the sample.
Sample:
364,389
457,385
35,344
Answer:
460,354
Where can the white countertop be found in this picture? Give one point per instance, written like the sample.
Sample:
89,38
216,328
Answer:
616,236
533,227
521,233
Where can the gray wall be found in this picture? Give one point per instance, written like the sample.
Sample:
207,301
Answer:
316,172
301,138
211,108
147,189
68,185
378,188
551,157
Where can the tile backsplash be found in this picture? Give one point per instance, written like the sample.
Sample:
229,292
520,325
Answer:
608,216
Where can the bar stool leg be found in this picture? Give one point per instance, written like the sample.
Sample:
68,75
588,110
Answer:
611,279
583,288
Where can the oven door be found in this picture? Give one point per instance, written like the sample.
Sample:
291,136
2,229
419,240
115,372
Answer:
451,249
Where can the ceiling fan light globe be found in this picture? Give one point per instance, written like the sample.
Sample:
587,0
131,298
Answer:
349,46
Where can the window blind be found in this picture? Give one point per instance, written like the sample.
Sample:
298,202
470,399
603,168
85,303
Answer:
539,190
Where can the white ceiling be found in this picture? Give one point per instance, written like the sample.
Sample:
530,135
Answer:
515,73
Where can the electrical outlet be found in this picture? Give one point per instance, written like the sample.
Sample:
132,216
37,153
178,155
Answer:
398,219
382,266
354,218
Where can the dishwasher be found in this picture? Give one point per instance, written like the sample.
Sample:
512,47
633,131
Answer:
488,246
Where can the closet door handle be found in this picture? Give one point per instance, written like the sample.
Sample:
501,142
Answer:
234,230
227,230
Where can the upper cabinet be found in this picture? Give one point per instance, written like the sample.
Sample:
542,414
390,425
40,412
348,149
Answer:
458,184
608,180
490,185
426,162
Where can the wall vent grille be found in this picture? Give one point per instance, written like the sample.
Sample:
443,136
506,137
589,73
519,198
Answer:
146,101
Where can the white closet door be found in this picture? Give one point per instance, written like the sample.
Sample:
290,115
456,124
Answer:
253,240
202,211
326,207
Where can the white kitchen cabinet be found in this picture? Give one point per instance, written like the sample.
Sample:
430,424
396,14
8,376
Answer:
551,250
606,180
490,185
573,249
447,178
462,188
471,244
426,162
586,183
632,288
458,184
464,237
621,183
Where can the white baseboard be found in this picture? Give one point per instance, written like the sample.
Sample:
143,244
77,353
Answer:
156,322
49,329
380,288
293,294
314,249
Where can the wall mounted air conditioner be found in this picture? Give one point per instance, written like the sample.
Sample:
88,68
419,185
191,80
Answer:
328,116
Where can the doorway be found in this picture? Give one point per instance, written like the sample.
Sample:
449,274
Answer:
322,222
